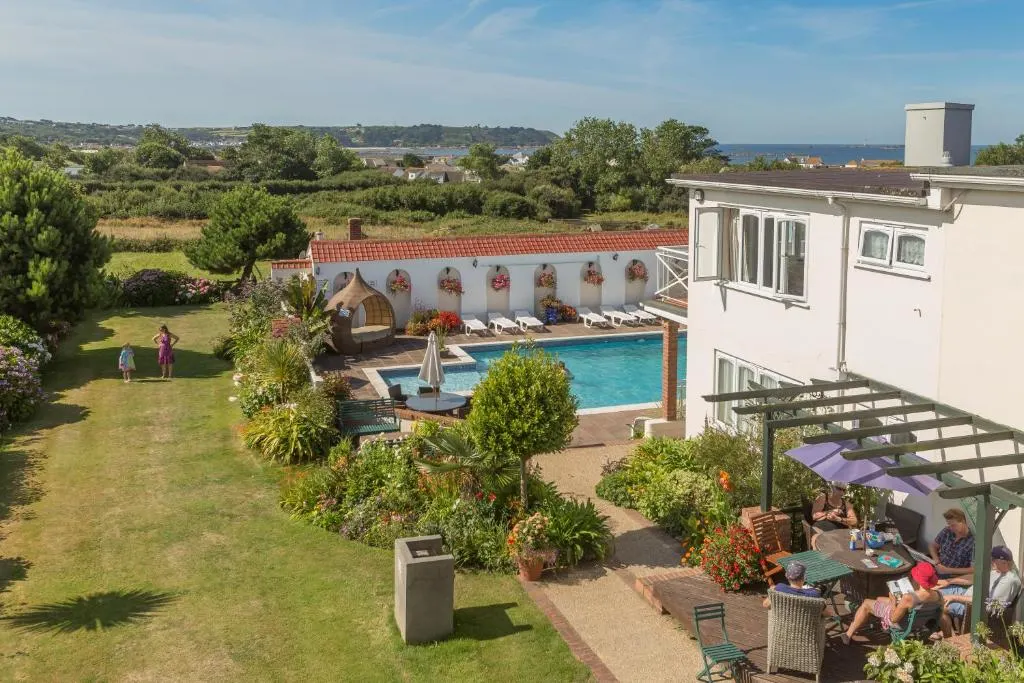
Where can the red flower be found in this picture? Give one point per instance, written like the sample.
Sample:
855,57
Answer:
491,497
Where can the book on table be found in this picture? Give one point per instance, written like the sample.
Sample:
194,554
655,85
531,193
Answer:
900,587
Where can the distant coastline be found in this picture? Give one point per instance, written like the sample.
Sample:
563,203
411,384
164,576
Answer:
831,154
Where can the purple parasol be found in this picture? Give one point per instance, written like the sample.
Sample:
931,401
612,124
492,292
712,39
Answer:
825,460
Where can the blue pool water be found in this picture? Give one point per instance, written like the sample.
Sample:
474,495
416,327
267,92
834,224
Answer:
609,371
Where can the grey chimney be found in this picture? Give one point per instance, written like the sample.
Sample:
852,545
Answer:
938,134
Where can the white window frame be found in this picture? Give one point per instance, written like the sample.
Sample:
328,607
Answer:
894,232
759,373
707,244
774,287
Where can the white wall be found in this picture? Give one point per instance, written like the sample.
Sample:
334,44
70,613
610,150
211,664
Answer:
424,274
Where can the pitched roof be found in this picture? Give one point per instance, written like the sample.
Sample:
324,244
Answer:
328,251
895,182
295,263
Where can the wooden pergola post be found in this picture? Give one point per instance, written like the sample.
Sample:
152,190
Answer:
984,526
767,461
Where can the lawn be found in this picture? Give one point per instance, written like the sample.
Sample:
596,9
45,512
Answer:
142,542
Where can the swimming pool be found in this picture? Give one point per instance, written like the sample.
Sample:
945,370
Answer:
607,371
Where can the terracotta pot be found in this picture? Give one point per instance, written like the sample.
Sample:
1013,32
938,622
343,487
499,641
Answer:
530,570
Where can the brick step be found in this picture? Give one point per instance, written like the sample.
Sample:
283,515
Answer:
644,585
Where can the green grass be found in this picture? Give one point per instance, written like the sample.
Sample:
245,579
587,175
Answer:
142,542
125,263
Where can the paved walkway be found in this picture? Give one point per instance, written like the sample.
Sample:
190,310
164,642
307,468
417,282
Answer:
631,639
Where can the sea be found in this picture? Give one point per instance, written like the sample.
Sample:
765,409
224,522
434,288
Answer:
831,154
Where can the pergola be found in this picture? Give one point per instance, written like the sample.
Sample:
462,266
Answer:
798,405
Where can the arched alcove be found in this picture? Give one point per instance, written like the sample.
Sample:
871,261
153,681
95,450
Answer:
400,298
637,274
545,283
497,300
590,292
449,290
341,280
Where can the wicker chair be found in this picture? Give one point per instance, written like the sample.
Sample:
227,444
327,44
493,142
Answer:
796,633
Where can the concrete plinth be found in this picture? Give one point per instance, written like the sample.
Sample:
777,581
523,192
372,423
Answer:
424,589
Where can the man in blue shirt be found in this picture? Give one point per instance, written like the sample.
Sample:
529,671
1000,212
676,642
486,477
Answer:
795,576
953,547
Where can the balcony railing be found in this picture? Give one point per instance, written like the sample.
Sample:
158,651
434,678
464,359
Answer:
673,275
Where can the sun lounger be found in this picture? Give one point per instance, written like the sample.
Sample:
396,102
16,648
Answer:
500,323
471,324
639,313
590,318
527,321
617,317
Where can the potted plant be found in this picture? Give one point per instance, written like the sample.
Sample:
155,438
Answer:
452,285
500,282
528,543
593,277
399,284
551,306
546,279
636,271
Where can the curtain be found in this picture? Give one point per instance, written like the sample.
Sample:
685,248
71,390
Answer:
876,245
910,250
725,385
750,255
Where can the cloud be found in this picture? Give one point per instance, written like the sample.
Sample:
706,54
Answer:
503,22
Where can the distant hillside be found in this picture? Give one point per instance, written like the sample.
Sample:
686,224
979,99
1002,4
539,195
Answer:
423,135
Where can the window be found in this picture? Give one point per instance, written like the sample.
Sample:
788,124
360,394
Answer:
892,246
732,374
772,251
707,260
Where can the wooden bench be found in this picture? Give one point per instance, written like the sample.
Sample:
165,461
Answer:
360,418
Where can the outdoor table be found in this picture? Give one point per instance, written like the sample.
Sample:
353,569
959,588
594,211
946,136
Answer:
822,572
865,582
435,403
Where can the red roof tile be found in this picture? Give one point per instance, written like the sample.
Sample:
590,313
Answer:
328,251
291,263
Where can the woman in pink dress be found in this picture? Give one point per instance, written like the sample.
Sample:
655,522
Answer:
165,341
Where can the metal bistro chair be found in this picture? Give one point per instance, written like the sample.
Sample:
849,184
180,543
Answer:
723,653
922,620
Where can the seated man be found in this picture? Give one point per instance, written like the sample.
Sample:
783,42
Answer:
795,575
1003,587
953,547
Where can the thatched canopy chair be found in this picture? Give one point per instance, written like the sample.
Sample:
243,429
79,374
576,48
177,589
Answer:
378,327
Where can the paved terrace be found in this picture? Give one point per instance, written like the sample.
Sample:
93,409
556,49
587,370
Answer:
594,430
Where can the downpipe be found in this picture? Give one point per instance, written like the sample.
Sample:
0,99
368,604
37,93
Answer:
844,260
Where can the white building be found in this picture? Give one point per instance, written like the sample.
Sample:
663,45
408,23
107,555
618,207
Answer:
474,262
909,277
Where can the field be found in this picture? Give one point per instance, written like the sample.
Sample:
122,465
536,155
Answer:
142,542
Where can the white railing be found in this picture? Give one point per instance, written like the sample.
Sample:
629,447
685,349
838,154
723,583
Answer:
673,275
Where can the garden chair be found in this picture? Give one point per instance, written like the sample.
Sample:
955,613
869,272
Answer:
907,522
796,633
921,621
640,314
396,395
527,321
471,324
718,654
766,535
617,317
500,323
590,318
997,624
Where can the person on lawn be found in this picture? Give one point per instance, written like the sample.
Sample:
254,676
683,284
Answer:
165,341
126,362
890,610
953,547
1003,588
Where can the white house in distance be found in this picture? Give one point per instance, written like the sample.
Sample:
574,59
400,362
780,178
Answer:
911,277
475,262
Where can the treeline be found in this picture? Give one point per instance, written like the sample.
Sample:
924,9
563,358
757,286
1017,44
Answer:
426,135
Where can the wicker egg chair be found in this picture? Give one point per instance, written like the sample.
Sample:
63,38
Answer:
378,328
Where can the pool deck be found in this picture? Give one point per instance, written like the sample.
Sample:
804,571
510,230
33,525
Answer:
603,428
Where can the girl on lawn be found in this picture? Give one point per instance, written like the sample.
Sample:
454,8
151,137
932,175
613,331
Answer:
165,341
126,362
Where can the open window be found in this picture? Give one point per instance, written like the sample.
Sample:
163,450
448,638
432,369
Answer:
707,254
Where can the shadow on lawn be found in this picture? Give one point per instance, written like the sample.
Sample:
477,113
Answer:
487,622
93,612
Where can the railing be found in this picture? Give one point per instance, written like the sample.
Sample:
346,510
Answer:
673,275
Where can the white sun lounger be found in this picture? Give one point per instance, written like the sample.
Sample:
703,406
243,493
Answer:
639,313
471,324
500,323
617,317
590,318
527,321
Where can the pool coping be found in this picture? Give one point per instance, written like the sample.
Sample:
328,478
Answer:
462,357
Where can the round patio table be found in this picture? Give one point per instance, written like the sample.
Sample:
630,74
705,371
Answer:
865,582
435,403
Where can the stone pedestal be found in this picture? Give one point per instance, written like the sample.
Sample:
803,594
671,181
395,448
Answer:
782,523
424,590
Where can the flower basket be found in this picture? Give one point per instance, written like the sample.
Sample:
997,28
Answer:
399,284
593,277
546,280
528,544
637,271
452,285
500,282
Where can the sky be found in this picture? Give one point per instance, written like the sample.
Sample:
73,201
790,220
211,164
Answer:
752,71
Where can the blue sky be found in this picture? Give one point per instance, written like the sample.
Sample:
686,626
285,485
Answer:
750,70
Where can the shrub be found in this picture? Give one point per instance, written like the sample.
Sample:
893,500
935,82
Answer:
294,432
312,494
224,347
912,660
14,332
161,244
509,205
20,388
669,498
381,467
577,530
278,366
447,321
251,311
614,487
337,386
731,559
470,531
156,287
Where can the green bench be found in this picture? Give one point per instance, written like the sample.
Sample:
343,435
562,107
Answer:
361,418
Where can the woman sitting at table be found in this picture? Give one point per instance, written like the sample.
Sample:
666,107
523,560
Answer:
832,511
891,610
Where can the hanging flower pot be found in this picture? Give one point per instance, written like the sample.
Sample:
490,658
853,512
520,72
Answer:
399,284
593,277
452,285
500,282
546,280
636,271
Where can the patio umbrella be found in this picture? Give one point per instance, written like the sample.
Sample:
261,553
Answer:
431,371
825,460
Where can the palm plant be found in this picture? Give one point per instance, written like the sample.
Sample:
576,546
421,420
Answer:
281,365
455,456
307,300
